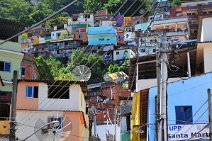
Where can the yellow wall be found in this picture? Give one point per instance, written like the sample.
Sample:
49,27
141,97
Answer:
135,122
4,127
127,21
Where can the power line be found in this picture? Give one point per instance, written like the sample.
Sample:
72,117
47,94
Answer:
42,21
92,47
95,62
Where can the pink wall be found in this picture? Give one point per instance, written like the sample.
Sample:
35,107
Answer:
22,101
77,126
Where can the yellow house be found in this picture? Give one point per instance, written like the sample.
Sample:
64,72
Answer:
127,21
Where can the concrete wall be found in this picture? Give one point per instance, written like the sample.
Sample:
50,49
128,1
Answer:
102,130
148,83
207,59
4,127
125,53
15,60
206,34
73,132
129,36
22,101
192,92
74,103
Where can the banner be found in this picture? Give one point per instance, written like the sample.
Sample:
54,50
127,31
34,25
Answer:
191,131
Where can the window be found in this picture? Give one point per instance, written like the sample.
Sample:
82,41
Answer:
117,53
183,114
58,92
32,92
94,94
58,34
23,71
5,66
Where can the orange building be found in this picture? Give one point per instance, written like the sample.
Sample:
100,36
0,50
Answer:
40,103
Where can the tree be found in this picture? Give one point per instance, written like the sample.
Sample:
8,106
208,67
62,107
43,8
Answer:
43,69
93,61
116,68
52,69
176,2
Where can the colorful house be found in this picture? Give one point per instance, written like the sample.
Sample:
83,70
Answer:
122,54
29,69
186,116
103,35
39,102
10,60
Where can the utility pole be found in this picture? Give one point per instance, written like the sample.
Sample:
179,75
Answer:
94,119
115,117
158,90
163,136
210,113
13,107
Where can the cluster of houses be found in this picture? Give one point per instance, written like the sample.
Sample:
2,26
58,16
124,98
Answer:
126,106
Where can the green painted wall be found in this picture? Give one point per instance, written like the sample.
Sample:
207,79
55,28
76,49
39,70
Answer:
125,136
14,57
15,61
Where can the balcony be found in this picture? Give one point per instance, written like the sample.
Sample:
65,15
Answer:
180,33
148,44
173,20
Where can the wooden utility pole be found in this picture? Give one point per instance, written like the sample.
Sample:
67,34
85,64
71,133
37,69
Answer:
210,113
162,130
13,107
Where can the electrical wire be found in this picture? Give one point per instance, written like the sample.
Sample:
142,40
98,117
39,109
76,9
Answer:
137,57
95,62
92,47
42,21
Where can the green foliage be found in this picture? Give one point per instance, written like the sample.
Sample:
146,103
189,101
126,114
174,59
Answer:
93,61
176,2
43,69
27,13
116,68
23,35
91,6
52,69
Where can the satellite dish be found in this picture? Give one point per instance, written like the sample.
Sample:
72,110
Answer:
81,73
141,11
54,130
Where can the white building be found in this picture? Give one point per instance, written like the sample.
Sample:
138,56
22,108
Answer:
122,54
41,102
81,19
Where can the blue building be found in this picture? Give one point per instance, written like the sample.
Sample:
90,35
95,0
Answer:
103,35
187,109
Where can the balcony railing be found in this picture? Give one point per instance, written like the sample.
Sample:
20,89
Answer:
181,33
173,20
